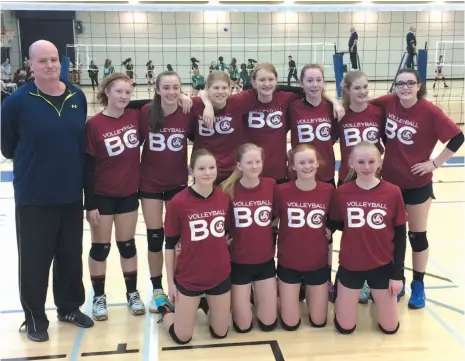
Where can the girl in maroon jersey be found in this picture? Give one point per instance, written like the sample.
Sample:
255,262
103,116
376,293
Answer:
311,120
413,127
220,127
362,121
198,218
166,146
302,206
113,138
371,214
252,248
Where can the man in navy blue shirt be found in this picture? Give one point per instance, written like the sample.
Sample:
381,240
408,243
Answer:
43,125
353,47
411,46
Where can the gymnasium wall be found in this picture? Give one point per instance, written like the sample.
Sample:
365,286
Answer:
172,38
15,54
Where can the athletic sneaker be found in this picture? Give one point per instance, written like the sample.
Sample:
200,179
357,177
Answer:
160,299
77,318
402,292
203,304
365,294
36,336
135,304
99,308
331,292
417,298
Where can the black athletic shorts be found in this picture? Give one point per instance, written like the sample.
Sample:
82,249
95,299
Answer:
243,274
419,195
221,289
108,206
377,278
163,196
310,278
199,87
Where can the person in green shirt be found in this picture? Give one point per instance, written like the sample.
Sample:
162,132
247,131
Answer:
108,68
221,65
244,77
234,75
198,82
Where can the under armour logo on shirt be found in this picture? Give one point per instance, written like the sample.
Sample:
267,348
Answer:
74,106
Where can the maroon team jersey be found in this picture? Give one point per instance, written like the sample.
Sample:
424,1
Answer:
164,157
355,127
114,143
317,126
267,127
204,261
411,135
369,218
251,223
227,133
302,243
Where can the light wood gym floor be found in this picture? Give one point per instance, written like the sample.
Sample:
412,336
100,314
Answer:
434,333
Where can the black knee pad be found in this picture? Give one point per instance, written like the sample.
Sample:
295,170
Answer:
215,335
99,251
127,249
418,241
389,332
176,338
290,328
155,239
343,330
240,330
267,328
313,324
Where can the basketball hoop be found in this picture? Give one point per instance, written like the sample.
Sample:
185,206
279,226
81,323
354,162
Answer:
7,37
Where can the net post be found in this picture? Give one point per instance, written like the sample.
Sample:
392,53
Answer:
64,74
422,64
338,61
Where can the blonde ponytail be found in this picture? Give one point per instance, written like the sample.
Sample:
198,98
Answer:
230,183
352,175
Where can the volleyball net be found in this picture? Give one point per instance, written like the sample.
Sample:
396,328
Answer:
314,34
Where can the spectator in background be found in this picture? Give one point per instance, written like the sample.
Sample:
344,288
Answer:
93,74
108,68
292,71
411,46
20,77
353,48
6,70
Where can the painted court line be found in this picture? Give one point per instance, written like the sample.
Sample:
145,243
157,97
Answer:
438,318
440,287
80,334
442,269
150,346
450,308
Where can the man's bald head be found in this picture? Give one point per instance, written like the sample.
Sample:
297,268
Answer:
41,46
44,61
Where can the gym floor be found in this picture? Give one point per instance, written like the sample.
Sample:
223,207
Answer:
431,334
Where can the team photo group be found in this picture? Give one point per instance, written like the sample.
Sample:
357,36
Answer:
241,224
